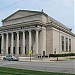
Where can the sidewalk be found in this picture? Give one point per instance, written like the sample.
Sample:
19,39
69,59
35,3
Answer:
34,59
52,59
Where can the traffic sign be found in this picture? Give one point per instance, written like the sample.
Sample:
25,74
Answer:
30,51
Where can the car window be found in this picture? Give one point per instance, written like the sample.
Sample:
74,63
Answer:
9,56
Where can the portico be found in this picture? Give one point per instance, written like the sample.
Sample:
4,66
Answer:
20,42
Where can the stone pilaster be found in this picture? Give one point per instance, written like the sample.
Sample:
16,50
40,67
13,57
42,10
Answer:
44,39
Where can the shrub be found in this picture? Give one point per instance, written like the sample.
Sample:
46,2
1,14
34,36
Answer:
61,55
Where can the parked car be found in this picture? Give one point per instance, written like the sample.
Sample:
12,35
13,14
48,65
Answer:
11,58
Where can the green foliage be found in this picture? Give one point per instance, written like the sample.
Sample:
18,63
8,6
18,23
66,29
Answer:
61,55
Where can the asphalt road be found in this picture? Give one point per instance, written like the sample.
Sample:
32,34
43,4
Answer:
67,66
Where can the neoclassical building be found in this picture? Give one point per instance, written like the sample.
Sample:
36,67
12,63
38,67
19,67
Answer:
25,30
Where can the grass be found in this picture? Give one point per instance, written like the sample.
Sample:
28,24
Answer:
13,71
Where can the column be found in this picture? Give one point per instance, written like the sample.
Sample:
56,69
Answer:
17,44
68,44
44,40
12,43
36,41
2,44
64,44
6,43
29,39
23,44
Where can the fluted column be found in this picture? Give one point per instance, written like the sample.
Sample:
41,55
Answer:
6,43
36,41
23,44
2,44
17,44
12,43
29,39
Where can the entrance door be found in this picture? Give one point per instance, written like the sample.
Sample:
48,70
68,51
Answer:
43,53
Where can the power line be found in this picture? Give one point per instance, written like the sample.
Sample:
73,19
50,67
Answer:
11,4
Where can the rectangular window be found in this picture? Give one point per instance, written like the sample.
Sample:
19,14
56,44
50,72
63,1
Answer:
69,45
62,38
66,44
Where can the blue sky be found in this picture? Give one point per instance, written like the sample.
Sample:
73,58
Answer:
61,10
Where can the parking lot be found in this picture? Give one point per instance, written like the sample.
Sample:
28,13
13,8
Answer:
67,66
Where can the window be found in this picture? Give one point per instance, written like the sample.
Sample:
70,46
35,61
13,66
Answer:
69,45
62,38
66,44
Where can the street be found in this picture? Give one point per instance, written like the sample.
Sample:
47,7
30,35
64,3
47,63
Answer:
67,66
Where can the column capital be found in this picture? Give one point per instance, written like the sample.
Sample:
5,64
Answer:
29,30
43,27
17,32
37,30
7,33
2,33
23,31
11,32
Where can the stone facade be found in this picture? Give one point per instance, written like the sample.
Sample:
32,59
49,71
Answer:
25,30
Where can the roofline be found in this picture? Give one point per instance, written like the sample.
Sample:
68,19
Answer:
35,22
40,12
52,20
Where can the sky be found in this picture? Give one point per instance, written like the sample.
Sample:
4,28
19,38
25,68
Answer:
61,10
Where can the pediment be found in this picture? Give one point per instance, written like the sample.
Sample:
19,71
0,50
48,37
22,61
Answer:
20,13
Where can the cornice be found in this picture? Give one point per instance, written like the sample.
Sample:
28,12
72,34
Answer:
36,12
34,22
60,28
